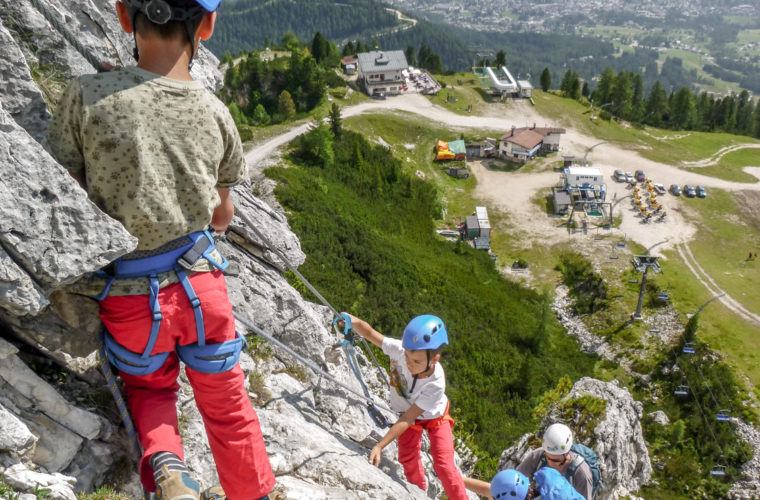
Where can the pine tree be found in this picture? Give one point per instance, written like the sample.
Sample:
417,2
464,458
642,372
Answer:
409,53
285,105
335,121
603,93
656,105
682,115
546,80
320,47
501,59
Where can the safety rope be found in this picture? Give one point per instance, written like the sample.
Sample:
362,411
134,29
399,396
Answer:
251,225
261,333
105,367
308,285
69,36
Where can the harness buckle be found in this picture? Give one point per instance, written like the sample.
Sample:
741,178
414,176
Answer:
195,302
157,316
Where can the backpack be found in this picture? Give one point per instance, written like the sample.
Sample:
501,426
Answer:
584,454
589,456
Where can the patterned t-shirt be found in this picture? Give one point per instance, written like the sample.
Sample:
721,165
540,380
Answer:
429,393
154,150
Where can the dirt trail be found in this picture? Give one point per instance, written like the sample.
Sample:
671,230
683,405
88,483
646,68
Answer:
685,252
720,154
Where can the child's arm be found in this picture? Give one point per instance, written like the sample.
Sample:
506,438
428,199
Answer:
404,422
482,488
224,212
365,330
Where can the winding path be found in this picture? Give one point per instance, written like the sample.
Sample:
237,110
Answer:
492,185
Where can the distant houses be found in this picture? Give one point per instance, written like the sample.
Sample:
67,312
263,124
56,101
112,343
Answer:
524,143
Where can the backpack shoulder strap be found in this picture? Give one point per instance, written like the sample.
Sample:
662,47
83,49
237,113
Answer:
576,462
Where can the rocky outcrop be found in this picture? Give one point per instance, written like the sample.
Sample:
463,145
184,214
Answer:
617,440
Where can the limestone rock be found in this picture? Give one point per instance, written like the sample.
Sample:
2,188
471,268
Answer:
19,94
659,417
21,478
14,435
621,451
49,226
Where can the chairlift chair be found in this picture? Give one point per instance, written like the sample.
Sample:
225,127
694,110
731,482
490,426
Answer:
621,244
723,415
654,330
718,470
663,295
689,348
681,390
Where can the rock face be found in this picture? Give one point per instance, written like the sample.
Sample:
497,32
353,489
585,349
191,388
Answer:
617,440
58,426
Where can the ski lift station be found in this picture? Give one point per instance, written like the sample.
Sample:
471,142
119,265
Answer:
582,188
503,83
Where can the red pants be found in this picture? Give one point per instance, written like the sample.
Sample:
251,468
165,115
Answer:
231,423
442,451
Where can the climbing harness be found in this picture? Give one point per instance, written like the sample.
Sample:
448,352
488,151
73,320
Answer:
348,341
261,333
178,256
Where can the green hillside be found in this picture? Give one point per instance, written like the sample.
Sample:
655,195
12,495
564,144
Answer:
251,24
366,223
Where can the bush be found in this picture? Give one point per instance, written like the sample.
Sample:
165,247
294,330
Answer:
586,287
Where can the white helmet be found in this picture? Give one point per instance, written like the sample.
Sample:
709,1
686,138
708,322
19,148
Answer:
558,439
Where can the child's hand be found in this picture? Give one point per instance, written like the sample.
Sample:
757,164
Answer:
375,456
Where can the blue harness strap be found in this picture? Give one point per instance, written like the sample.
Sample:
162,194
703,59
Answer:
180,254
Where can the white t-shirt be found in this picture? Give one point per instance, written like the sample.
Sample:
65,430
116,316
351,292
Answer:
429,393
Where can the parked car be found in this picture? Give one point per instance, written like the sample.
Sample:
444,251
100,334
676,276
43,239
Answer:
378,95
675,190
701,192
689,191
639,175
629,178
659,188
619,176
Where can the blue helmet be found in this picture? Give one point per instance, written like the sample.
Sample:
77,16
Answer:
425,332
509,484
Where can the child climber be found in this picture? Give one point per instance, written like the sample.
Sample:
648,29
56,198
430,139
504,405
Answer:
419,396
158,152
510,484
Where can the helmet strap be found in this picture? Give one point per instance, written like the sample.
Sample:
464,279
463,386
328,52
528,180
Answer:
427,367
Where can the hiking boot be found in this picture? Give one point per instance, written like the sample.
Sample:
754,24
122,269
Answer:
214,493
175,485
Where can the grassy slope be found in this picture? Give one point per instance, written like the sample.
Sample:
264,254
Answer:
719,235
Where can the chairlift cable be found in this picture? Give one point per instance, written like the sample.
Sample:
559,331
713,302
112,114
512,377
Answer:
699,406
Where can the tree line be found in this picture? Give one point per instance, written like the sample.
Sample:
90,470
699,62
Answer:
244,25
622,95
259,92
